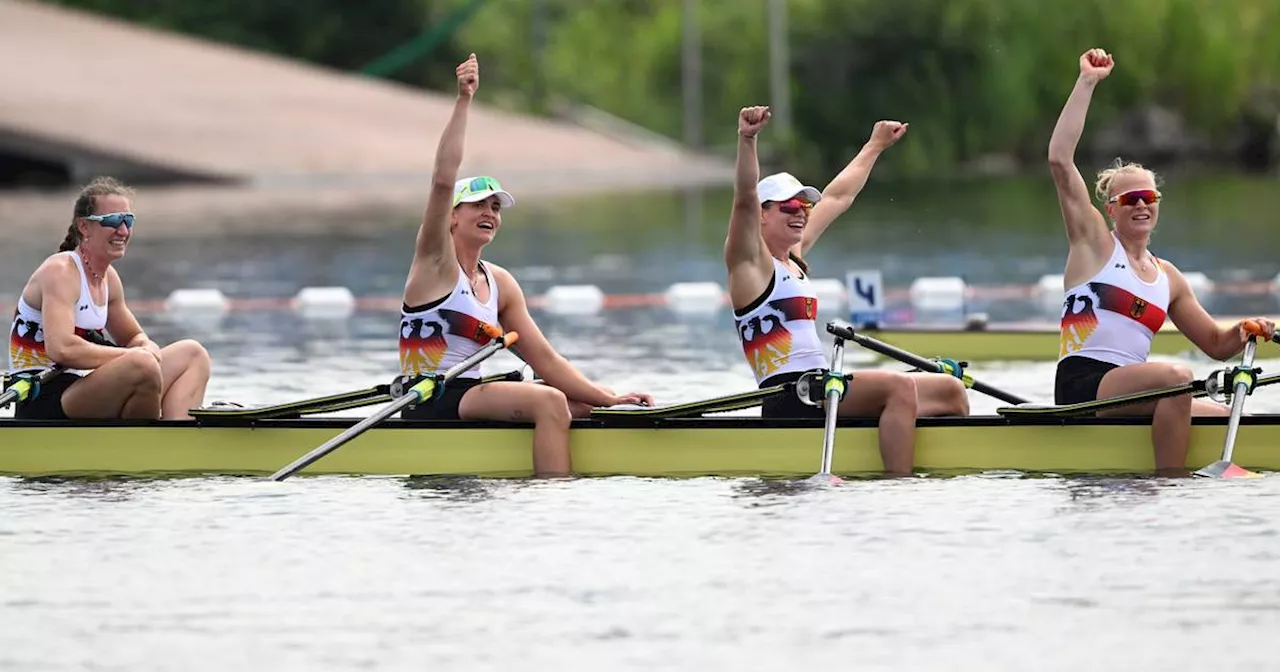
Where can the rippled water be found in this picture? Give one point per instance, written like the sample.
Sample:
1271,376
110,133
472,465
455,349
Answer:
992,571
982,572
975,572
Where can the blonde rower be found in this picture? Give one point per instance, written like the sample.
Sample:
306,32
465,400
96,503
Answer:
1118,294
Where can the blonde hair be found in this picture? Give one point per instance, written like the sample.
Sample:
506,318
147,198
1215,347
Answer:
1107,177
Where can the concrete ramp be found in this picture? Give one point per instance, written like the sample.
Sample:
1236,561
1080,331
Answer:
100,95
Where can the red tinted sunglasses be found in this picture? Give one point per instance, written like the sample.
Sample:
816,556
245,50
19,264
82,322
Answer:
1130,198
794,206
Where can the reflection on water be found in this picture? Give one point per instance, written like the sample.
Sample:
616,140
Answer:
1103,492
103,489
462,489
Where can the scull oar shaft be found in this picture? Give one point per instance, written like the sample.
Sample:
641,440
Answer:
833,393
1238,397
422,391
847,331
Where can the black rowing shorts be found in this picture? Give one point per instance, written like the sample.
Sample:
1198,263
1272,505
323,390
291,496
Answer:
1078,379
445,407
787,404
47,404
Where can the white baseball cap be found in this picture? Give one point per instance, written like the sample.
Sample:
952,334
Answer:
472,189
784,186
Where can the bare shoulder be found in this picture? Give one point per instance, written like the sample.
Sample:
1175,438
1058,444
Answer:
1175,276
56,275
1168,266
503,277
115,285
57,267
1178,284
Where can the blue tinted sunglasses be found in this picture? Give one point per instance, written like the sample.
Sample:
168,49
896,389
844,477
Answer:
113,220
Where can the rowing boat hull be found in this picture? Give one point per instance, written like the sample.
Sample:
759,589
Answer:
684,447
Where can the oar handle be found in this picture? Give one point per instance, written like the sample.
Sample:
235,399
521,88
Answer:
1255,329
423,391
27,386
842,329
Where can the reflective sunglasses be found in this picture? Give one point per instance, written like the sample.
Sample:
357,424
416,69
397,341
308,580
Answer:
476,186
1130,198
794,206
113,220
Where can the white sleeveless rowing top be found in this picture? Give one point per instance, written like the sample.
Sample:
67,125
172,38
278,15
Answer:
26,336
1113,317
436,336
778,332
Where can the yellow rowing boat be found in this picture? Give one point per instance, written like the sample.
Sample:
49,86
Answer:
731,446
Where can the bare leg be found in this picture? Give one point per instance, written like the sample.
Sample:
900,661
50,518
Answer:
127,387
1170,417
1203,408
579,409
892,396
543,405
185,367
940,395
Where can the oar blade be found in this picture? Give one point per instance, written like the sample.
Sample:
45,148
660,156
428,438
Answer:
1226,469
823,480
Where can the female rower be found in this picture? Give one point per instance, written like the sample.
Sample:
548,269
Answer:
774,223
450,294
73,299
1118,293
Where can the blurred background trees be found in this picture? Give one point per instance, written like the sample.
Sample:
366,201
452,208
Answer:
980,81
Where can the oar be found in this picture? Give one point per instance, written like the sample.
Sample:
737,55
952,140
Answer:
833,388
27,386
423,391
1243,379
846,330
1207,386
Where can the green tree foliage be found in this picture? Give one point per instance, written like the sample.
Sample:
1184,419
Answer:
336,33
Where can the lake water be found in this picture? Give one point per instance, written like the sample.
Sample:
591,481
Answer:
984,571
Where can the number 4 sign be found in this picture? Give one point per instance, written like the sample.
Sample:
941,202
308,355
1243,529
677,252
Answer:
866,298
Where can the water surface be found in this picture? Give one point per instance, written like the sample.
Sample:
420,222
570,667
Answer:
983,571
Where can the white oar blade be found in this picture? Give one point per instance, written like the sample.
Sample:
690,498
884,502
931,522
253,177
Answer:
1226,469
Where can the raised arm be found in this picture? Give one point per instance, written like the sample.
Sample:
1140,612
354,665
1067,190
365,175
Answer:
1086,228
534,348
60,289
745,254
434,260
839,194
